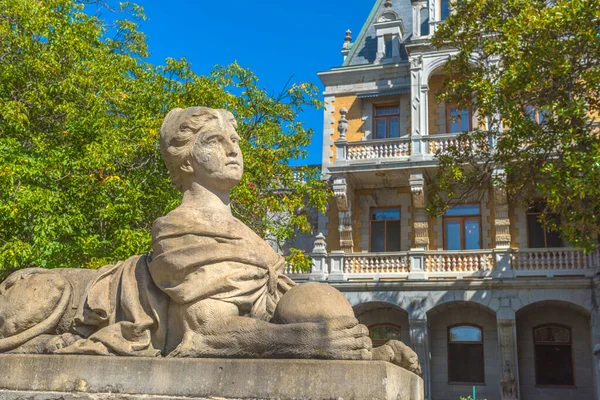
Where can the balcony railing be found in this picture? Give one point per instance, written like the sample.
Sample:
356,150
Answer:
461,262
425,147
447,264
378,149
556,261
376,263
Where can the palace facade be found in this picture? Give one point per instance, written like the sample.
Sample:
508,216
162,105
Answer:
484,294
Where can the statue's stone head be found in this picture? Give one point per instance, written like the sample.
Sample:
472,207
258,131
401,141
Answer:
200,144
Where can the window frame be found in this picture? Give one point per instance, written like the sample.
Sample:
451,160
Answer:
448,122
370,327
462,220
537,213
570,344
385,227
386,118
481,343
439,7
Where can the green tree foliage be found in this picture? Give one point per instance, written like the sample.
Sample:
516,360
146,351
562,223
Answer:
81,175
537,65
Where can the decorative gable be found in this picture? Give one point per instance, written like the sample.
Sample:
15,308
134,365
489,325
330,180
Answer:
382,37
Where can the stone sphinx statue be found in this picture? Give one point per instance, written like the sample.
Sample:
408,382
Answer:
210,288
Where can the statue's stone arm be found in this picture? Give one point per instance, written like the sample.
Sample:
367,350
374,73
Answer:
213,328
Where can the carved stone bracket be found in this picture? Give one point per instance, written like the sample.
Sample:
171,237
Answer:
420,224
507,342
341,192
508,384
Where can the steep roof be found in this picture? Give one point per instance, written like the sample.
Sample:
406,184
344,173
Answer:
364,49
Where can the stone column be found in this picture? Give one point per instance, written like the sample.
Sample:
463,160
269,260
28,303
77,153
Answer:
420,226
416,94
416,15
432,16
419,342
418,108
509,362
502,226
342,195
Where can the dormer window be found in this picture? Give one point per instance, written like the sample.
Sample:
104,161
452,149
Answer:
389,31
388,46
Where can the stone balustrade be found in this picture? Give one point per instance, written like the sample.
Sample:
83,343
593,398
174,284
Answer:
447,264
414,148
378,149
555,260
463,261
376,263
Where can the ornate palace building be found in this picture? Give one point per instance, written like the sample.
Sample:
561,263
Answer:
484,294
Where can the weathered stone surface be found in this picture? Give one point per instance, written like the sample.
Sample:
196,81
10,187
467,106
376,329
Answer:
209,288
38,377
304,303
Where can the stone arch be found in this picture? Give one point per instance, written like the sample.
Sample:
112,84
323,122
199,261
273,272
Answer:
571,305
430,66
442,306
378,313
477,298
579,299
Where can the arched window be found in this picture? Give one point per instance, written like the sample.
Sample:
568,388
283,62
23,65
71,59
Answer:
382,333
553,348
465,354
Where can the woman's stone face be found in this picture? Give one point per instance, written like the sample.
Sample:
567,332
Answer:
216,157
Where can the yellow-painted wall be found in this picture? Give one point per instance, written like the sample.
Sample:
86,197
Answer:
435,85
354,116
514,230
333,236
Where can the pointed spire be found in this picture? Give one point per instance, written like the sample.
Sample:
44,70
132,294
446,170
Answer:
346,45
347,39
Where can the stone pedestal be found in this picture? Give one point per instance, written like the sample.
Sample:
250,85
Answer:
94,377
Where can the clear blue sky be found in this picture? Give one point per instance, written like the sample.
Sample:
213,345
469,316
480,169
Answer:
275,39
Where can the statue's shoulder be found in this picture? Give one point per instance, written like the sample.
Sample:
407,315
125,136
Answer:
186,220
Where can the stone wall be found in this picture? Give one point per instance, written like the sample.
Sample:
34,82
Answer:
462,313
553,313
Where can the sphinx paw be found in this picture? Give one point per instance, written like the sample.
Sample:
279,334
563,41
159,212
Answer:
399,354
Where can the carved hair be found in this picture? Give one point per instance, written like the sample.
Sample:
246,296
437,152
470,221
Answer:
179,133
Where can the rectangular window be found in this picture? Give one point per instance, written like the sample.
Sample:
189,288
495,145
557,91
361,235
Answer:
388,41
444,9
462,227
385,229
465,354
553,356
424,21
537,235
535,114
457,120
387,121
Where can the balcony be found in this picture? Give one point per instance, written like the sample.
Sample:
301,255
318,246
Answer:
446,264
389,151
